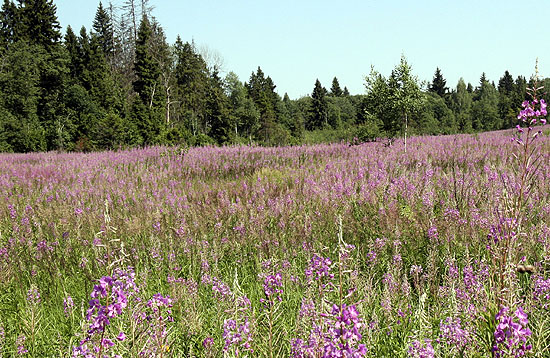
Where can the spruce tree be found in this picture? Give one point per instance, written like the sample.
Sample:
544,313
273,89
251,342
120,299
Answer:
335,90
319,107
146,68
506,108
261,90
8,24
73,48
19,98
216,111
346,92
103,29
438,84
39,24
148,109
506,83
191,78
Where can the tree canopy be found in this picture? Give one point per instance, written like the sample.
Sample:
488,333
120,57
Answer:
122,84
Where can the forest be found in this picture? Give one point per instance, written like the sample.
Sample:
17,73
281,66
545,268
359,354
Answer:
120,84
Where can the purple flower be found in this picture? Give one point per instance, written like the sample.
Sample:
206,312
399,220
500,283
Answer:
237,337
68,305
344,334
511,334
318,268
208,342
273,287
541,292
33,296
20,343
419,350
453,334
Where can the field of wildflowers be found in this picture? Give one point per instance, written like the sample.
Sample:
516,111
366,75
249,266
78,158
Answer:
312,251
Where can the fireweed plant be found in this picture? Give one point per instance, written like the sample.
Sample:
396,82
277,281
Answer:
162,252
507,238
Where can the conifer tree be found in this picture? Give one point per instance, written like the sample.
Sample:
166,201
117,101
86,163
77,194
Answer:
103,29
73,48
216,111
346,92
39,24
319,107
8,24
19,97
191,78
438,84
148,109
335,90
507,110
261,90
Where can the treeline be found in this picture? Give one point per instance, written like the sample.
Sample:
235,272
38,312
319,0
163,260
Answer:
122,84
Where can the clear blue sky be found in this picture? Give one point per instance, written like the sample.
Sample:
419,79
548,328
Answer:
298,41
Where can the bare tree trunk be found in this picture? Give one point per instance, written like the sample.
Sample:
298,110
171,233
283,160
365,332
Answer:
152,96
168,103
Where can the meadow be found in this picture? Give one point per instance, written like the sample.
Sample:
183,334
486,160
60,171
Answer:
366,250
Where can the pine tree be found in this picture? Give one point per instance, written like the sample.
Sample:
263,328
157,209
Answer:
335,90
438,84
319,108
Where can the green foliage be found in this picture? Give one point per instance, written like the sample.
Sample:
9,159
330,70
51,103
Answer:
405,95
191,86
436,117
341,112
335,89
369,130
485,114
438,84
318,117
122,84
461,104
103,29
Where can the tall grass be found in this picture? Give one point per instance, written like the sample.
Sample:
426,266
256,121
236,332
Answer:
239,251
